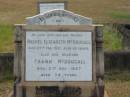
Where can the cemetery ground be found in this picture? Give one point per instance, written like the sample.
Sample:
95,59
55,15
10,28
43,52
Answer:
116,85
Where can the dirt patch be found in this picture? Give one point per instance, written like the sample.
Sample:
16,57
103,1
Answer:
5,88
118,88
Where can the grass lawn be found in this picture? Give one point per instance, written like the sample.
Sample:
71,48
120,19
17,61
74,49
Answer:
6,38
119,14
112,39
15,11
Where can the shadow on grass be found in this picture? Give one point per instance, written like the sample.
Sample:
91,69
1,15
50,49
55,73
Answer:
122,76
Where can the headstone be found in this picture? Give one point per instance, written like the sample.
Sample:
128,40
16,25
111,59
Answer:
48,6
62,55
59,17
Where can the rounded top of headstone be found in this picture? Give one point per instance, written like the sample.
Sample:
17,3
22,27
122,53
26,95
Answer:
58,17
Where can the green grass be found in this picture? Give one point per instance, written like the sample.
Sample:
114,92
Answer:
112,39
6,38
15,11
118,76
7,76
119,14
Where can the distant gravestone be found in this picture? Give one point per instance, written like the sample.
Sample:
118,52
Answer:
59,17
48,6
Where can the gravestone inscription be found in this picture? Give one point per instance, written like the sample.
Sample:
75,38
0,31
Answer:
58,56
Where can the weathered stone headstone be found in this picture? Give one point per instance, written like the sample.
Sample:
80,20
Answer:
62,55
